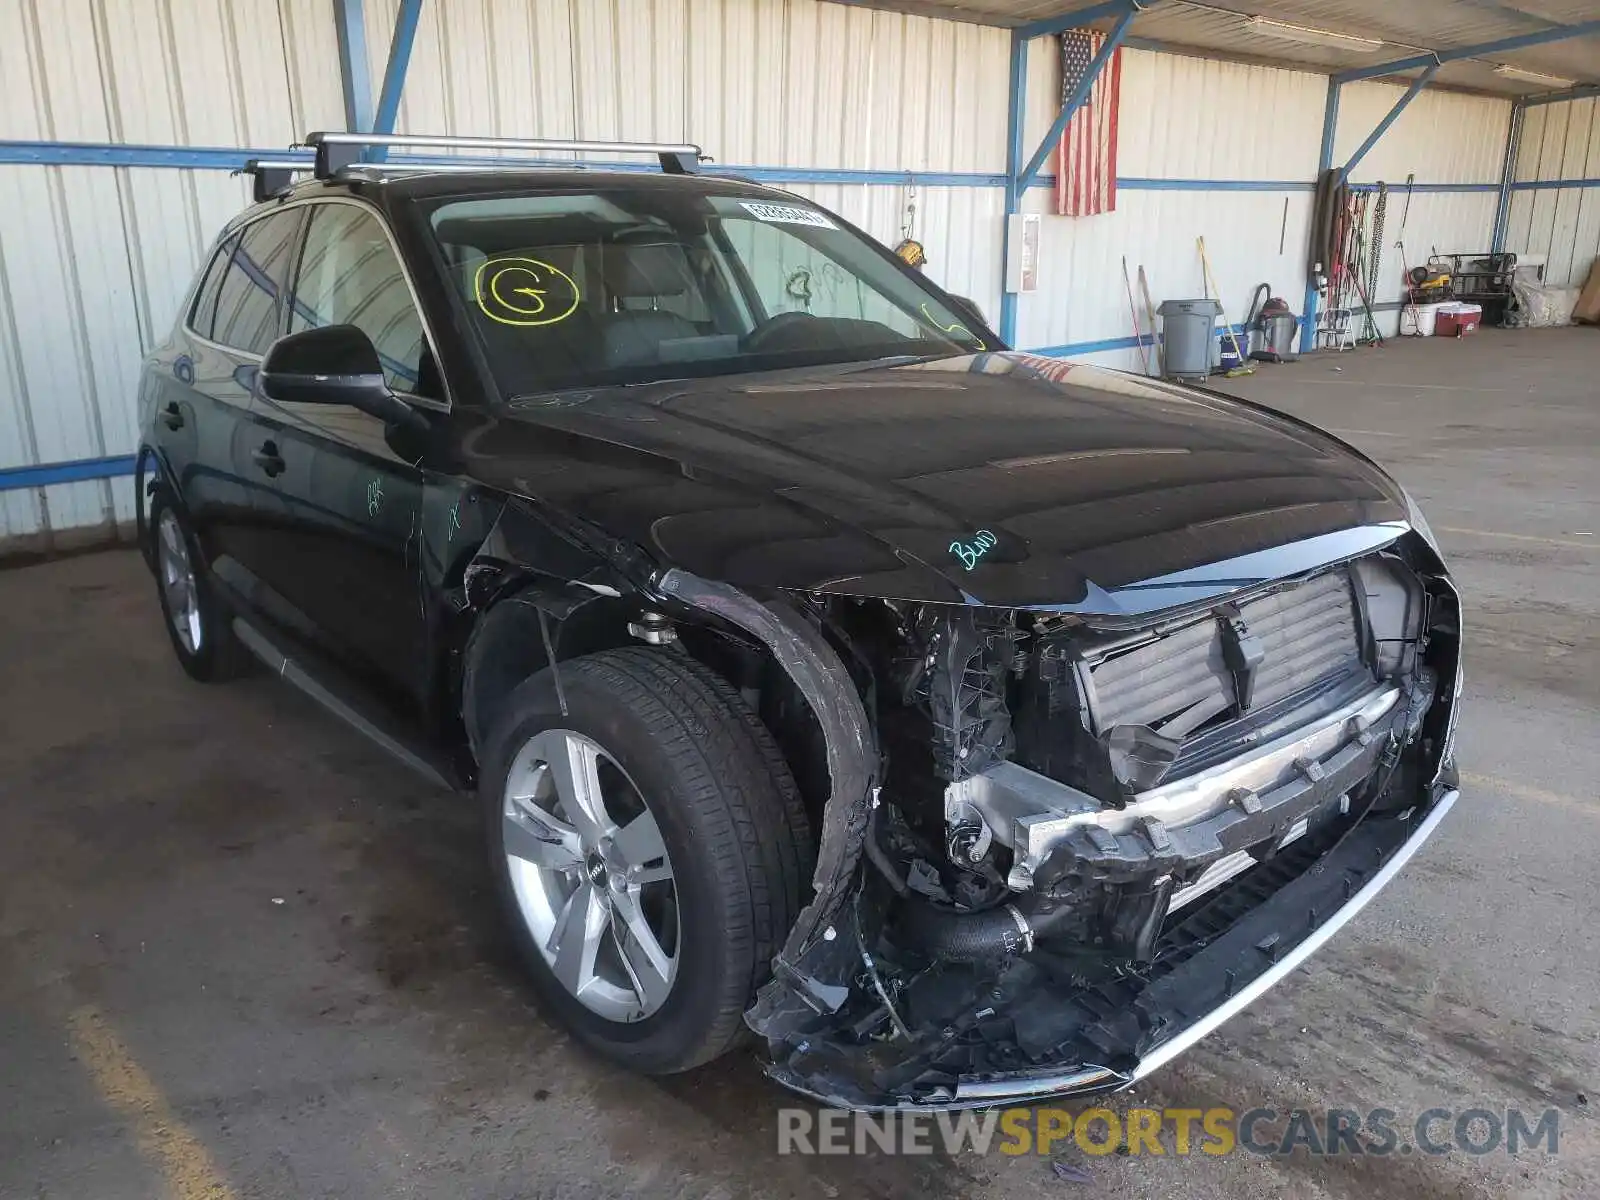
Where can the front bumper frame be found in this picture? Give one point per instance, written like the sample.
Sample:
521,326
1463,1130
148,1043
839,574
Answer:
1217,982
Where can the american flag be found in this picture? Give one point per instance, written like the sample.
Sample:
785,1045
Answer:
1086,160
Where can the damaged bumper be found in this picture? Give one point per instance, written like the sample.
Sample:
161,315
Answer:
1124,1029
1203,821
1111,931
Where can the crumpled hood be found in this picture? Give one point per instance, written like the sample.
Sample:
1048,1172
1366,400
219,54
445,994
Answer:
998,479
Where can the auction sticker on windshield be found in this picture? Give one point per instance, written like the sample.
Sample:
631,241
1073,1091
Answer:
786,214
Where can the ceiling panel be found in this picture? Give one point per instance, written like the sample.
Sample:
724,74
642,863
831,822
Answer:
1408,27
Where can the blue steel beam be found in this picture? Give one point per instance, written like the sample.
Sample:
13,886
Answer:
1553,185
1079,95
394,73
1330,123
1508,169
1071,20
1559,33
1582,92
1016,107
231,158
1420,82
350,23
1019,177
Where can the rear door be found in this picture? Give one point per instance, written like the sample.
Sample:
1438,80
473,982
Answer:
203,415
346,539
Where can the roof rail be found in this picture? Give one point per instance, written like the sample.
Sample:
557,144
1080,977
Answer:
270,176
336,151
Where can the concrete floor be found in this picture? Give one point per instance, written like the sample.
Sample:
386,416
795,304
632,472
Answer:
242,953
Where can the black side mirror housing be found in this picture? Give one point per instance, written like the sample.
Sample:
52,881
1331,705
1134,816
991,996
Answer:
332,364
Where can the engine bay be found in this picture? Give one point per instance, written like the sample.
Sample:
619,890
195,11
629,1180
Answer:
1068,811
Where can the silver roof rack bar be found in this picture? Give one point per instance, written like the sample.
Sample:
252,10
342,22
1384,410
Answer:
336,150
272,175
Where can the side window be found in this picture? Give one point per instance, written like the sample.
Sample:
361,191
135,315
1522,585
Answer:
349,275
247,300
204,313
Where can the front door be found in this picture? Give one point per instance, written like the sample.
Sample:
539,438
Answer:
347,539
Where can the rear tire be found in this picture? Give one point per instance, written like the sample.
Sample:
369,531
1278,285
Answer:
724,855
198,624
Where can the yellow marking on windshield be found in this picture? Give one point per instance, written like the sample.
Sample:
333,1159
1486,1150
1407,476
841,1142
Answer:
953,327
514,291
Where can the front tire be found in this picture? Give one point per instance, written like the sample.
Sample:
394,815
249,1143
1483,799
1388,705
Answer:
649,851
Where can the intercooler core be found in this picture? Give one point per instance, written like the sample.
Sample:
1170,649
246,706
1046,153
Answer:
1238,659
1270,713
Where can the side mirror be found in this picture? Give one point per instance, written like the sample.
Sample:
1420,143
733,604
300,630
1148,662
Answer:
333,364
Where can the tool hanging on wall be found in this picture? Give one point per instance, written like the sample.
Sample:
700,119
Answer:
1372,337
1210,284
1133,311
1375,253
1410,310
1329,215
909,250
1354,264
1150,319
1341,246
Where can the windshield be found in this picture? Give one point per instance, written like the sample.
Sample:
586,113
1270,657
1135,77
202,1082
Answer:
635,285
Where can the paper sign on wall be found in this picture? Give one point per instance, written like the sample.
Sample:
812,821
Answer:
1022,252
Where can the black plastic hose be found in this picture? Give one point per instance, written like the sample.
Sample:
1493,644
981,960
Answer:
1256,301
995,934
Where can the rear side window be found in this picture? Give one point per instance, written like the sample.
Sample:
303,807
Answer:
204,312
349,275
247,313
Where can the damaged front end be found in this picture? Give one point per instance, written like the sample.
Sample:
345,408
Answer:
1057,849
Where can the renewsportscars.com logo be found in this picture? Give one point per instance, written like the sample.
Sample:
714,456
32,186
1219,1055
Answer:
1377,1132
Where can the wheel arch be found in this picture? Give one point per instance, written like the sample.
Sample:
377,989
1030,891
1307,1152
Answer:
145,483
523,632
529,620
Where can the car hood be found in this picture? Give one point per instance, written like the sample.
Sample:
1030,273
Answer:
997,478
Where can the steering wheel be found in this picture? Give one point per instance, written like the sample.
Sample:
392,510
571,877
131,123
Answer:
775,329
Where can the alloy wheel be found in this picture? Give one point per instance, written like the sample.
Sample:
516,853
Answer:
591,875
178,582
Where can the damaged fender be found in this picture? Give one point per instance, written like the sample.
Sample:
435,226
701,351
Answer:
812,972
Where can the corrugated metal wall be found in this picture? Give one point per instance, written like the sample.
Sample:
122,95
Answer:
93,259
1559,142
1181,119
1443,138
766,82
1190,119
754,82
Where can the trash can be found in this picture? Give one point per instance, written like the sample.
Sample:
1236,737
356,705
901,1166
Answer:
1186,337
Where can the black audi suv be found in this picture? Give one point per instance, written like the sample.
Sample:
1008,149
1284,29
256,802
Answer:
968,726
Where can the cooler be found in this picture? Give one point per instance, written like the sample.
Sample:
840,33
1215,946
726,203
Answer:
1457,320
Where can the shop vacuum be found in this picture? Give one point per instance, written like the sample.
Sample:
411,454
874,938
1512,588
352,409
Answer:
1274,329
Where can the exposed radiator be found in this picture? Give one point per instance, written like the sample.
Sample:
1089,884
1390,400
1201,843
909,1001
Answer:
1298,636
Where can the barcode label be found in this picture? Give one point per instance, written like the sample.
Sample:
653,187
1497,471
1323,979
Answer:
786,214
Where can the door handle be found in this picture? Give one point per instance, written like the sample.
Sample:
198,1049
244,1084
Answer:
172,416
268,459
